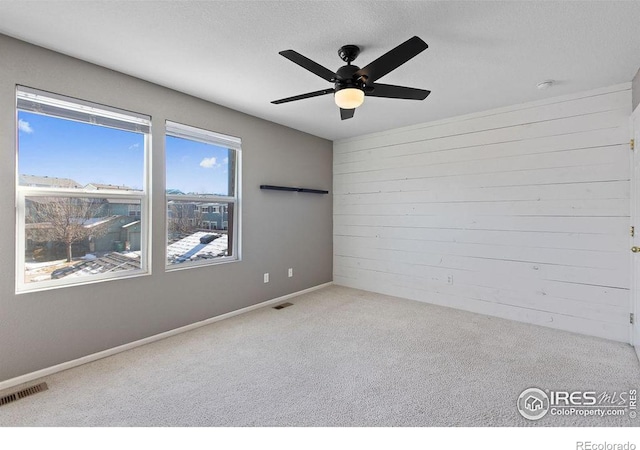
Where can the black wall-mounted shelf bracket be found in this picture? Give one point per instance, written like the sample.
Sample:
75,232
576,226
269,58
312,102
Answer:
292,189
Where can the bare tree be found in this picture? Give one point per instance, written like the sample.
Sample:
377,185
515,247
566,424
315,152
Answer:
65,219
184,218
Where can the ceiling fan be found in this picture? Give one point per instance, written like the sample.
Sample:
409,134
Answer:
352,84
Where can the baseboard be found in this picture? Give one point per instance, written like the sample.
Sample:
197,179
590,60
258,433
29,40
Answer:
12,382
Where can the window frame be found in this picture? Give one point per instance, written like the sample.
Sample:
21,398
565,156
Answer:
144,196
179,130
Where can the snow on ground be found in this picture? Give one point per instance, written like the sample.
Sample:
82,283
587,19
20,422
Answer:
190,248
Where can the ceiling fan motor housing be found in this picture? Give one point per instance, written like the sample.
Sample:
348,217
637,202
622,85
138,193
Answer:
346,79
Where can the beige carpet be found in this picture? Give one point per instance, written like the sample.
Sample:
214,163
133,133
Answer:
337,357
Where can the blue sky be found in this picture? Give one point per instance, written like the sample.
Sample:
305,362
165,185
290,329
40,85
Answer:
94,154
196,167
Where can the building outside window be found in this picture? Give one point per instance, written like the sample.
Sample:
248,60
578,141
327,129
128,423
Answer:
82,171
202,180
134,210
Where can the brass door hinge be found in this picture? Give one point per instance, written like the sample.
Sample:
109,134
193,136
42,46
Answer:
632,231
631,318
632,144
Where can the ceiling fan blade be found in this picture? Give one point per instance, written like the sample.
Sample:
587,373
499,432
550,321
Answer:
346,113
311,66
303,96
392,59
391,91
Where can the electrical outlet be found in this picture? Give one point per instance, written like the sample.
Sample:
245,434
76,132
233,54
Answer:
290,272
450,279
266,277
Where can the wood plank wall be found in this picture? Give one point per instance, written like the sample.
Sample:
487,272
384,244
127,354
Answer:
520,212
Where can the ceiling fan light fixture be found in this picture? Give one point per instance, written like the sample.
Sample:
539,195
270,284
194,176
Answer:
349,98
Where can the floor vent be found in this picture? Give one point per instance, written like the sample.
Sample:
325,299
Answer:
283,305
23,393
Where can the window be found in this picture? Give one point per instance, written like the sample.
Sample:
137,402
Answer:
202,179
82,191
134,210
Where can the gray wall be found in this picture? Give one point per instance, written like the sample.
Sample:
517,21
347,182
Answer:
635,89
279,229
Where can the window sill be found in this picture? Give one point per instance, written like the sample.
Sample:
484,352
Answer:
204,263
50,285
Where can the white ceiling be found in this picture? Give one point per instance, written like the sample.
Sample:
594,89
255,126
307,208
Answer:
481,55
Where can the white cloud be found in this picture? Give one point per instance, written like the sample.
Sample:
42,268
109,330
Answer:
208,163
24,126
134,146
225,160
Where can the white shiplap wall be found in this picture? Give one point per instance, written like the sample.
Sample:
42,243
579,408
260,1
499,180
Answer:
520,212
